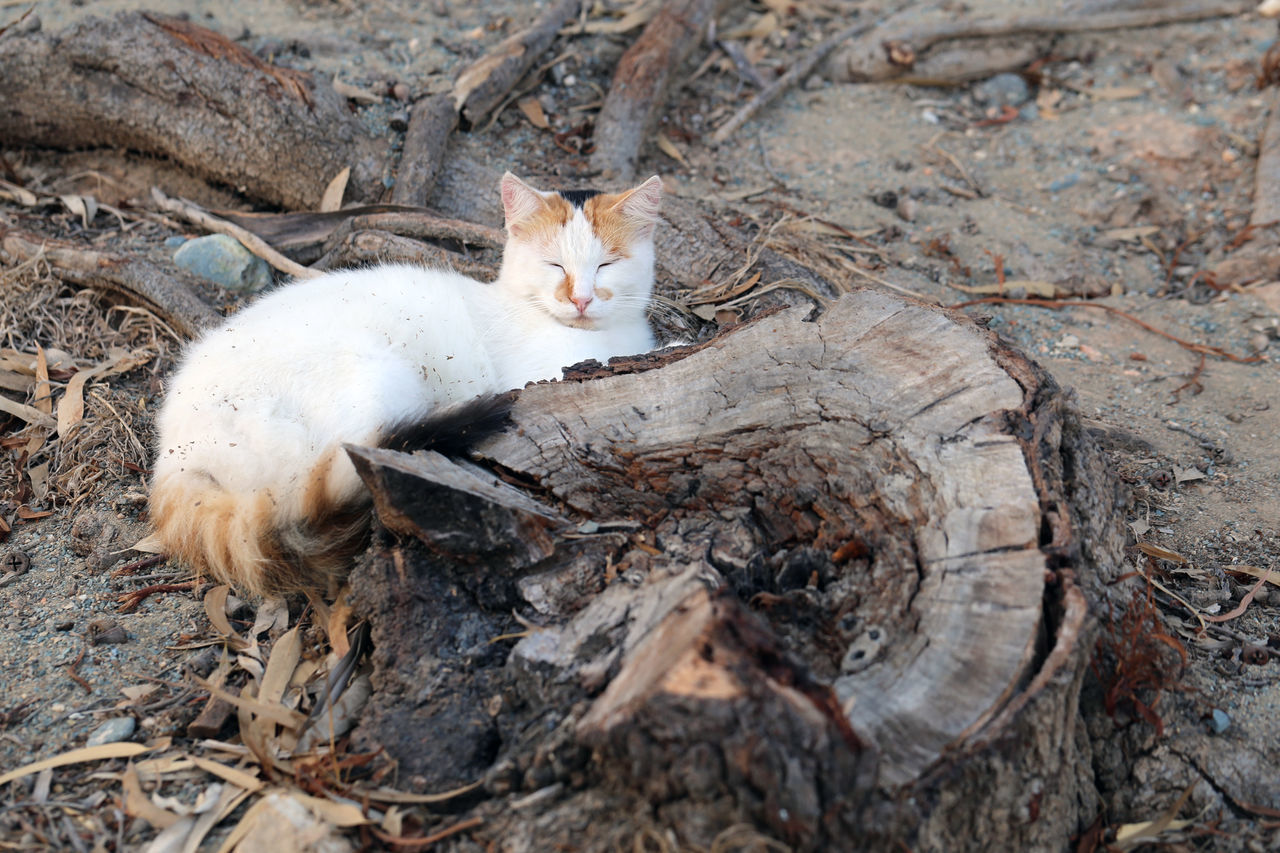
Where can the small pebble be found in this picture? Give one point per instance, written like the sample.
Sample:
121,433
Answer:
400,92
113,730
1218,721
221,259
1002,89
399,121
907,209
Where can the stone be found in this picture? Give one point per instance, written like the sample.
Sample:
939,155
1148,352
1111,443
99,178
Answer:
111,731
222,260
1002,89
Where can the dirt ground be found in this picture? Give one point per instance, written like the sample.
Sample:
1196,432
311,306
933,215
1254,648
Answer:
1128,168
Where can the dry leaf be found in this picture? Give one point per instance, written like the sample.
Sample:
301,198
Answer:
215,607
138,804
759,27
332,199
39,477
78,756
533,112
240,778
340,716
1162,553
1133,234
1114,93
1186,475
669,148
22,196
1042,289
270,712
84,206
284,659
1255,572
1132,835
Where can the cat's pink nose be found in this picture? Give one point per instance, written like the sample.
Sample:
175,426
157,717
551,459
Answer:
581,302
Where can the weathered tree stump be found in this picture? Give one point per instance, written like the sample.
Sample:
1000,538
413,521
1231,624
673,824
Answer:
825,578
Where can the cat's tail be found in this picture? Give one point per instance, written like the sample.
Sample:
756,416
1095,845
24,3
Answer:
256,543
304,537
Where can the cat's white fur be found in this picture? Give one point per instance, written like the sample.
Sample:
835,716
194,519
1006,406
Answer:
249,467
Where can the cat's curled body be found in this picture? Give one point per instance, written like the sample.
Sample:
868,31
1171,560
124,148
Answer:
251,484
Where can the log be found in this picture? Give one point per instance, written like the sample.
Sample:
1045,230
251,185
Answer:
822,578
432,121
640,82
483,85
167,87
947,49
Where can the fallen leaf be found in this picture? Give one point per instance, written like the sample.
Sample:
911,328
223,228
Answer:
78,756
284,659
138,804
1162,553
84,206
533,112
669,148
1255,572
332,199
1115,93
1131,835
240,778
1042,289
1186,475
22,196
1132,234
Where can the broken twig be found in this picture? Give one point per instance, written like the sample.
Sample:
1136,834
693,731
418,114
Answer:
801,69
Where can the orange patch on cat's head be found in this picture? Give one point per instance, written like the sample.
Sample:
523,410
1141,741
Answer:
620,220
544,223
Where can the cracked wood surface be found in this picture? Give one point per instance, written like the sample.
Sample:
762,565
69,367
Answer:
798,573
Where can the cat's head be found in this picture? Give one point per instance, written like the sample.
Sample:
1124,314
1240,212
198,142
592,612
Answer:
583,257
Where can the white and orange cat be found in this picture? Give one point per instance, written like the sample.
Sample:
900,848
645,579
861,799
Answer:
251,484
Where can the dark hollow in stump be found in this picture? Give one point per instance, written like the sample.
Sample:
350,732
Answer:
822,580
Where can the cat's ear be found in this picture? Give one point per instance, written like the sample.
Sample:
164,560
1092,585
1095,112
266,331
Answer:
640,204
519,200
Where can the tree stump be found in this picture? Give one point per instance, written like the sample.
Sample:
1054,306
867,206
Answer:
821,580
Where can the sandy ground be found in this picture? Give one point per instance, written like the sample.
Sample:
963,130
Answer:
1128,148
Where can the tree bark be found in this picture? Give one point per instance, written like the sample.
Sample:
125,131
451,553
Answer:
640,83
170,88
825,578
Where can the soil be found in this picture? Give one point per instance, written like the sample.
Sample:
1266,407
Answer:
1129,169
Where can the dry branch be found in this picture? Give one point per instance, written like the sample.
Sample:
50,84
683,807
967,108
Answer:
197,216
482,85
799,70
1266,192
166,293
167,87
640,83
365,247
430,124
866,60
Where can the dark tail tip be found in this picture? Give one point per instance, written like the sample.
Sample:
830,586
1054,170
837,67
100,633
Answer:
454,429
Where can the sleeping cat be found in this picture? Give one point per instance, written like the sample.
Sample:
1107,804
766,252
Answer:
251,484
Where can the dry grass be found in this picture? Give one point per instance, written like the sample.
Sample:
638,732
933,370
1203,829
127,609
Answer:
79,330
